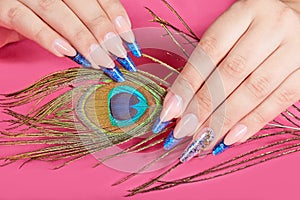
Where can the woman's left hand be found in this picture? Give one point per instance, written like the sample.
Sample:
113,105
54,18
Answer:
255,46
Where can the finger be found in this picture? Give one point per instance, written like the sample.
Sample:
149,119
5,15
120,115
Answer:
20,18
287,94
214,45
96,20
57,15
234,69
118,16
76,33
257,87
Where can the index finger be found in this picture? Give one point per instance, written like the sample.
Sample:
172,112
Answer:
216,42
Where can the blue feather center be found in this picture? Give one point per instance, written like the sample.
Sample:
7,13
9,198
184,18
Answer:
126,105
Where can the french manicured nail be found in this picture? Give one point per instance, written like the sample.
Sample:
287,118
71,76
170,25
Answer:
123,27
171,142
127,63
159,125
113,43
81,60
63,48
115,74
235,134
100,58
220,148
206,136
186,126
171,109
135,49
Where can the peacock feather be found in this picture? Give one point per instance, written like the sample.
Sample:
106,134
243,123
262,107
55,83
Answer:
77,112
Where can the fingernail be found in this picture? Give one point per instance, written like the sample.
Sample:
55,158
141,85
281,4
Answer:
206,136
123,27
64,48
81,60
171,109
235,134
100,57
186,126
113,43
135,49
171,142
115,74
159,125
127,63
220,148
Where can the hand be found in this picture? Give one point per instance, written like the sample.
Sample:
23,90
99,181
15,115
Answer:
68,27
255,47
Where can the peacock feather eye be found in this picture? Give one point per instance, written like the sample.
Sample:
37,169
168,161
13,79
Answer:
126,105
121,108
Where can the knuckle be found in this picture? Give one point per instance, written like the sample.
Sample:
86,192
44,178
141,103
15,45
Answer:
258,117
100,24
41,35
209,45
15,13
186,84
79,35
258,86
234,66
286,96
204,103
46,4
223,120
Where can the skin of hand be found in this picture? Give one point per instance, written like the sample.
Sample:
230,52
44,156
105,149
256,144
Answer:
95,28
243,73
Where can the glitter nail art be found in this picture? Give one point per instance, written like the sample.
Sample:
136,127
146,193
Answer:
81,60
220,148
127,63
115,74
171,141
135,49
160,126
198,145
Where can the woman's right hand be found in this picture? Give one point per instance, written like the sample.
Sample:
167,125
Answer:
78,29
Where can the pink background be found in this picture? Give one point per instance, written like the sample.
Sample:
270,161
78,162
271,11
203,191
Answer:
25,62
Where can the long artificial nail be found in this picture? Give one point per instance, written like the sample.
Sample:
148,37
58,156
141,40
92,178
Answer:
123,26
171,109
171,141
220,148
135,49
100,58
115,74
127,63
81,60
159,125
113,43
186,126
63,48
235,134
204,140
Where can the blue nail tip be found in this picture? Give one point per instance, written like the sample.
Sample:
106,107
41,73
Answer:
159,126
115,74
81,60
135,49
220,148
171,141
127,63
